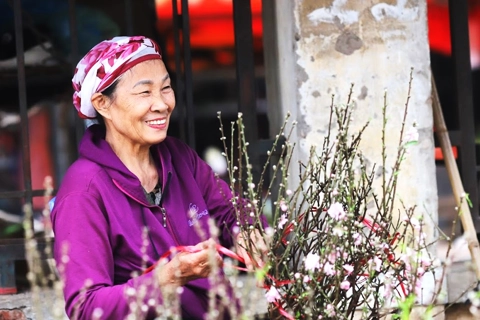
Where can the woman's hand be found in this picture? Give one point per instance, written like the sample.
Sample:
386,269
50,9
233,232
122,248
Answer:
256,243
188,266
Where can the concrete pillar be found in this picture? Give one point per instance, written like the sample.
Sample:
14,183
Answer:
322,46
316,48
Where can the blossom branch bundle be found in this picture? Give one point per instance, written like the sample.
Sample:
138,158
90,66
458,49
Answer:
334,246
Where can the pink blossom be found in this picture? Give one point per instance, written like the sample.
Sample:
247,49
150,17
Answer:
330,310
283,220
415,223
378,263
408,266
420,271
312,261
337,231
306,279
272,295
268,231
283,206
405,257
332,257
289,192
358,239
349,268
336,211
421,237
329,269
426,262
345,285
411,135
418,288
388,290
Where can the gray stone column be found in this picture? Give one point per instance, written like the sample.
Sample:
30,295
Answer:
316,48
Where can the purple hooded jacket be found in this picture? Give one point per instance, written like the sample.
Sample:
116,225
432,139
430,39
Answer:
99,216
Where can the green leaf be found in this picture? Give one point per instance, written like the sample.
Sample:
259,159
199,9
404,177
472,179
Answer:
467,198
261,273
410,143
428,313
405,307
11,229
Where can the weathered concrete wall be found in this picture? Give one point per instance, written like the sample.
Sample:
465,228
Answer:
372,44
325,45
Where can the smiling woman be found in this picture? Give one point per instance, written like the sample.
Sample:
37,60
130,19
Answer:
137,114
133,183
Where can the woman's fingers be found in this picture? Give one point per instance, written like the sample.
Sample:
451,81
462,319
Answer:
252,248
197,262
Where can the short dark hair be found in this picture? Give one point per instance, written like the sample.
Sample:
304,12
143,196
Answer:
110,90
110,93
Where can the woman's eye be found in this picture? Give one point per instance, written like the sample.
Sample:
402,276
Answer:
167,88
145,92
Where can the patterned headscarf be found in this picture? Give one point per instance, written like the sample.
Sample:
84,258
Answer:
102,65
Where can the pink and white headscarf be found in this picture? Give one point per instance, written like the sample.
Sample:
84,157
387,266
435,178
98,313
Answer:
104,63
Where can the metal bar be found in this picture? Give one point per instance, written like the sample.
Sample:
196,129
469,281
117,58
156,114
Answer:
21,194
73,32
458,11
14,249
271,63
79,123
7,277
22,98
129,17
187,65
179,71
242,20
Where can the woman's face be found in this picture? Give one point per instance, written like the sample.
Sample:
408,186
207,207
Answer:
141,106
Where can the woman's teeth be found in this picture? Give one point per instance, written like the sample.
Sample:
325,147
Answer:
157,122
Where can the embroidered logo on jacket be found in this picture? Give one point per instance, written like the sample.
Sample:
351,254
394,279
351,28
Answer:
194,214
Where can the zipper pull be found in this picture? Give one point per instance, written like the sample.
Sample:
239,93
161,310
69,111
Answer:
165,188
164,213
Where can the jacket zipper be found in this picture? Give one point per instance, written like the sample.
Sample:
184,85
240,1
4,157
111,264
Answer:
166,222
164,213
164,193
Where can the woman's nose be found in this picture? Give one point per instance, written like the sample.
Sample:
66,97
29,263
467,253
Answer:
159,104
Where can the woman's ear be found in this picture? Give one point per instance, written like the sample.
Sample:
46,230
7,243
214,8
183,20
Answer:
101,103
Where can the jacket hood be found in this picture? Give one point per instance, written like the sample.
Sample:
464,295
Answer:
95,148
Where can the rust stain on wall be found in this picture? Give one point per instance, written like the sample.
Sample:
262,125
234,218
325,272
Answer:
363,93
353,23
302,76
348,42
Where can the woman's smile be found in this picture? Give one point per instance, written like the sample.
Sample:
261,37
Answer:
158,123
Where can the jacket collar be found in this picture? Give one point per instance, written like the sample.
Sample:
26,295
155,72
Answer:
94,148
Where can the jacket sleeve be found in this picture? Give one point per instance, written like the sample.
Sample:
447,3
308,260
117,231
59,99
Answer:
218,196
83,253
